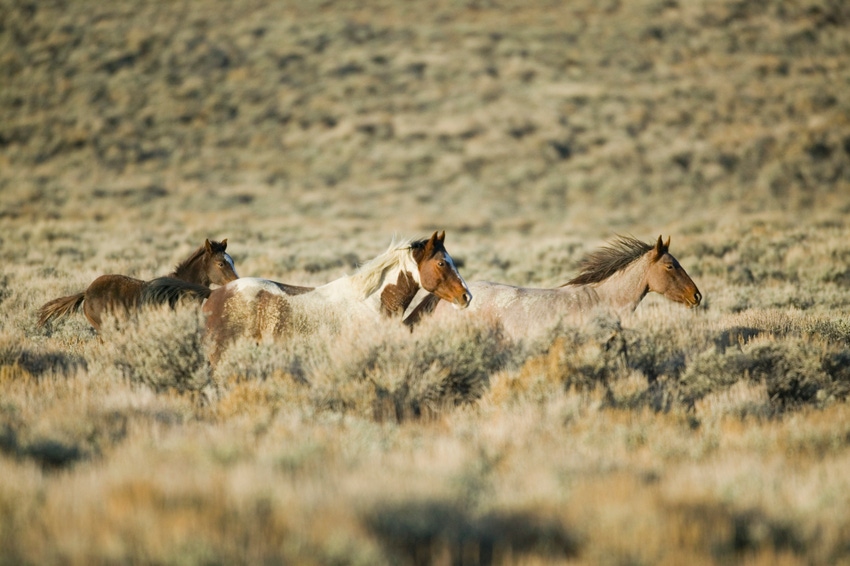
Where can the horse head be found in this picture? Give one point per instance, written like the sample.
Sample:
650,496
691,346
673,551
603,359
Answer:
218,264
667,277
438,274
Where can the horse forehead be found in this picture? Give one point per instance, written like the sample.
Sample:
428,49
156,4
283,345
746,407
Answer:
433,263
436,250
667,257
443,255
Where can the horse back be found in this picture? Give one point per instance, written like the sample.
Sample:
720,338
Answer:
111,293
292,289
521,311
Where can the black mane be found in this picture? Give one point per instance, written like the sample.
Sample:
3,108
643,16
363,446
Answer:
605,262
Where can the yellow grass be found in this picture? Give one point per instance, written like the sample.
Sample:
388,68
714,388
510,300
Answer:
310,134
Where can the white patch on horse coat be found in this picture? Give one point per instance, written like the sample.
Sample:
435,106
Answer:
250,287
229,260
451,262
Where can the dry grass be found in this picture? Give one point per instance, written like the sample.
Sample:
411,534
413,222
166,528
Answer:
308,134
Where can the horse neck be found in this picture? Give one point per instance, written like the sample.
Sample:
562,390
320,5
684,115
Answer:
626,288
192,270
395,289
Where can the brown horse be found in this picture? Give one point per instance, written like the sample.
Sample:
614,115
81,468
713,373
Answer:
207,265
616,277
382,288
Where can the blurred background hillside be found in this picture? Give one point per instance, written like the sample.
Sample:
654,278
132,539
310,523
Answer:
279,119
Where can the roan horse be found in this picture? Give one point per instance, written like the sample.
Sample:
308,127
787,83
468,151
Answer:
207,265
383,287
616,278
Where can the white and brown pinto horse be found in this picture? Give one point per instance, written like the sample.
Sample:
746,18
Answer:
383,287
615,278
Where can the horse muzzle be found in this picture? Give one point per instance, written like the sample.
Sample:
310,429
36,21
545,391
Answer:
463,301
694,301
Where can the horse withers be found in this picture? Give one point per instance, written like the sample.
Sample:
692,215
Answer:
380,289
209,264
614,278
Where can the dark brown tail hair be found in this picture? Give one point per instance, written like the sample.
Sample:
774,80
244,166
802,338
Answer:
170,290
60,307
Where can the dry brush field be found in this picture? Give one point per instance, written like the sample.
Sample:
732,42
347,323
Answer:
309,134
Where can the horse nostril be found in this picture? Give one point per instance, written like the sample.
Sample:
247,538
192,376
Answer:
698,297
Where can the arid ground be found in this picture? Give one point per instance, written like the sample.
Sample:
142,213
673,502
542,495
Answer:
309,134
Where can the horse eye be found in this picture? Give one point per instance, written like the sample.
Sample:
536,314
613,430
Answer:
441,263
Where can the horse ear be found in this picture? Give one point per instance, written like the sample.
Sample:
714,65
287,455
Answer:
667,244
442,236
428,249
208,246
224,244
660,248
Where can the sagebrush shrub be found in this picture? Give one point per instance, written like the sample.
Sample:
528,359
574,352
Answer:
248,359
390,372
161,348
593,354
794,371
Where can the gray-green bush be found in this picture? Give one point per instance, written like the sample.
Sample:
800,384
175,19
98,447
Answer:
160,348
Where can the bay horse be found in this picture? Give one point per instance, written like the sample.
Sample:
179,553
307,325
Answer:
381,288
209,264
615,277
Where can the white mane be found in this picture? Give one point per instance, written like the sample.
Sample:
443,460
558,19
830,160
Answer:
367,279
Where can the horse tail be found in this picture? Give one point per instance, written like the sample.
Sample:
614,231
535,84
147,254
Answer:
60,307
170,290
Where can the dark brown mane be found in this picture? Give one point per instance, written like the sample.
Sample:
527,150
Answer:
214,247
605,262
418,247
189,260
